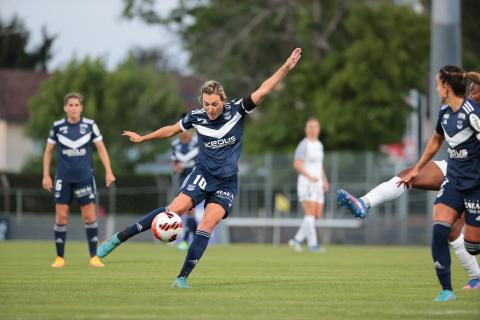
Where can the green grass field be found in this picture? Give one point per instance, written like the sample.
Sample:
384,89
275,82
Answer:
231,282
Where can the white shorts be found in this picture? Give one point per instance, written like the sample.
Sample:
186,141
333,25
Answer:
442,164
310,191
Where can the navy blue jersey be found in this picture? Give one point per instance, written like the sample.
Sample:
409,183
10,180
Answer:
220,140
461,130
74,144
185,153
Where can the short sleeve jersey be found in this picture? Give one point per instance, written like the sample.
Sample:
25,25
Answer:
311,154
74,144
461,130
185,153
220,140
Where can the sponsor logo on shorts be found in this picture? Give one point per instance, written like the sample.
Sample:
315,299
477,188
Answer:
473,207
191,187
225,195
82,192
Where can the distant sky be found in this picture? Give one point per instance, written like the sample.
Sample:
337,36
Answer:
92,28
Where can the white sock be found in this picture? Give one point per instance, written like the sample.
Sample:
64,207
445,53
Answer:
468,261
302,231
384,192
311,231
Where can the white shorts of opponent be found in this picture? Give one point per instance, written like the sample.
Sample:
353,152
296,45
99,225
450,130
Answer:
442,164
310,191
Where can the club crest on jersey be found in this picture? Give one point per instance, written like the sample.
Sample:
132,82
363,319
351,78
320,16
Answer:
83,128
227,115
474,121
459,124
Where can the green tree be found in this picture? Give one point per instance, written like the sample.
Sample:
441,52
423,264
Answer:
133,97
359,61
14,39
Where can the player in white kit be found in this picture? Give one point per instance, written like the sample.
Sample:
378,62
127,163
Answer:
311,185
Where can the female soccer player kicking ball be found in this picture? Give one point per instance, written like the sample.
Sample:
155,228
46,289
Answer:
430,178
219,125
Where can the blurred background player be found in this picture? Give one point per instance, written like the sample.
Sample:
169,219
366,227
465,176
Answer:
430,178
312,183
73,138
219,126
184,157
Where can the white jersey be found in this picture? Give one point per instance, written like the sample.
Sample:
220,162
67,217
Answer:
311,154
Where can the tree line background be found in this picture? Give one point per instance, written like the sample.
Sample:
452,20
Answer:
360,59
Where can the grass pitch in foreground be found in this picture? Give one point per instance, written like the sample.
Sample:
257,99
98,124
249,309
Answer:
230,282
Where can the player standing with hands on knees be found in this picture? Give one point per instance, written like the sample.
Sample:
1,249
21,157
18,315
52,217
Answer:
458,124
73,138
219,125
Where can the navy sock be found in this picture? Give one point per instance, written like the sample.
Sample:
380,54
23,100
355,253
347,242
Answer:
60,233
191,225
195,252
140,226
91,230
441,254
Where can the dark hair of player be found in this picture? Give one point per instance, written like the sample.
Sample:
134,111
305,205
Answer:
71,95
457,79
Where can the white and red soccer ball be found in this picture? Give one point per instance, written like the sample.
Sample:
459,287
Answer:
167,226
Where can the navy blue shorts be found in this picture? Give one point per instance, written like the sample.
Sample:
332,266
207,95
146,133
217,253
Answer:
461,201
85,191
472,207
183,175
200,185
450,197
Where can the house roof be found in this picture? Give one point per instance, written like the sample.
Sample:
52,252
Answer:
16,88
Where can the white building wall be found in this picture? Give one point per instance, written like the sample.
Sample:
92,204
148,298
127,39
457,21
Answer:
15,146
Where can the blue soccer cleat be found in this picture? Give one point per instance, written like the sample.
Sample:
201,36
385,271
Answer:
356,206
445,295
181,282
108,246
317,249
473,284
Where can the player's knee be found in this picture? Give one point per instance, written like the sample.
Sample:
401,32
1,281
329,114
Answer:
472,247
441,230
454,234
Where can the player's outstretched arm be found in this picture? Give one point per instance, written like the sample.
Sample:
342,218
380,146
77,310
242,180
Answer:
163,132
103,153
268,85
433,145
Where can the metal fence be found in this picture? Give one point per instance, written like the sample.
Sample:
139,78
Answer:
403,221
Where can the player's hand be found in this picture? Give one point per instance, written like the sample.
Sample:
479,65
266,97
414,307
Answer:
109,179
47,183
293,59
326,186
134,137
408,179
177,167
313,179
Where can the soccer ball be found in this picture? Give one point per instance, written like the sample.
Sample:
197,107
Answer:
167,226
